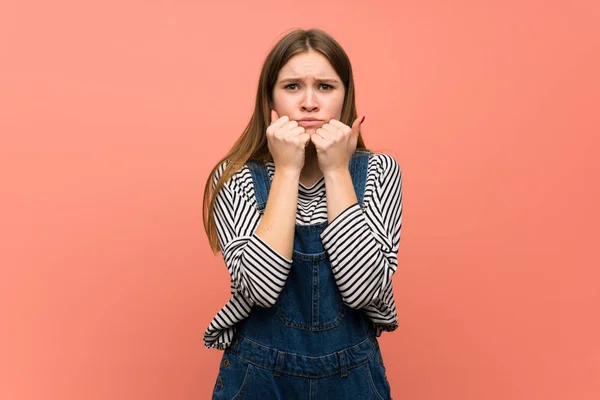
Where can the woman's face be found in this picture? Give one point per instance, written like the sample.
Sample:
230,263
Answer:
308,87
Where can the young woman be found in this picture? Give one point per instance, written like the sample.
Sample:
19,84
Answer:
308,222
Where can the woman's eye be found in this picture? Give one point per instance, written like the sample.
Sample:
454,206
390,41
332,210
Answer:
327,87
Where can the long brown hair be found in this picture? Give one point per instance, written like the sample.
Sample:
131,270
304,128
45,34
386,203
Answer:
252,144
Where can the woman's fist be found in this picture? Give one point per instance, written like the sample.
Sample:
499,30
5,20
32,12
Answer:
335,142
287,142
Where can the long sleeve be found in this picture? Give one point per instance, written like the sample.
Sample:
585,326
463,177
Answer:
257,271
362,245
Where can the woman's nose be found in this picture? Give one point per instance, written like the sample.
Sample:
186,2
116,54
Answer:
310,100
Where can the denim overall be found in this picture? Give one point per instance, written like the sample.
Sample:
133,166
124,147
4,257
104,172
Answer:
309,345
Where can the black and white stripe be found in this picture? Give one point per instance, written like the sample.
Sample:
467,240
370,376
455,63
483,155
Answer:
362,244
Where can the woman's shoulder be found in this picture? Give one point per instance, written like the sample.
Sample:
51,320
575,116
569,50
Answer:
383,164
240,181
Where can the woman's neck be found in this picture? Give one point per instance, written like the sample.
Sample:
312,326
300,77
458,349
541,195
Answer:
310,172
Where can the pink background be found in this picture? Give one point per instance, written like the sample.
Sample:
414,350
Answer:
112,115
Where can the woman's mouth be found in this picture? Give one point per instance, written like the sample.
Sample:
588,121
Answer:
309,123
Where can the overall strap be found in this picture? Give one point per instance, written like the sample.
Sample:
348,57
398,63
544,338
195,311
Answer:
359,167
261,182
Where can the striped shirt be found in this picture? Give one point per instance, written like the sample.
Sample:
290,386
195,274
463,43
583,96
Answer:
362,245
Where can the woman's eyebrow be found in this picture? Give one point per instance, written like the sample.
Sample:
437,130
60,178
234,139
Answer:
328,80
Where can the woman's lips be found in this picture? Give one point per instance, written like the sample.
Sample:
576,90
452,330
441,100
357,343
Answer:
310,123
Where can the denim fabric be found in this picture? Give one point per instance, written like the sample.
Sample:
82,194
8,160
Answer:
309,345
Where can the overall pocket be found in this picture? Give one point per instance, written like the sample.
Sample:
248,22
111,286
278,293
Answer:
376,374
234,378
310,299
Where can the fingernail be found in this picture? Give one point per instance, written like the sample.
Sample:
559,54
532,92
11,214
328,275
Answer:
363,119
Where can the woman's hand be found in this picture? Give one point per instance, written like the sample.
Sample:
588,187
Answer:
335,143
287,143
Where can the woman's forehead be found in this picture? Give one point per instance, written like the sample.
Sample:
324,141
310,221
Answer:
308,66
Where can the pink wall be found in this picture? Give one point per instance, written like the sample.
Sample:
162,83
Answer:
112,114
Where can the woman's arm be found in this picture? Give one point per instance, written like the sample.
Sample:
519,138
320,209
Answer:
363,244
257,249
279,220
